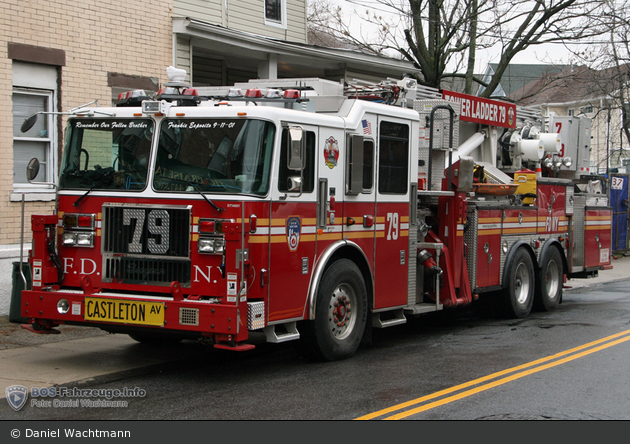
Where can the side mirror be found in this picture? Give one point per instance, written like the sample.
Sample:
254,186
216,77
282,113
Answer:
295,184
32,169
28,123
297,145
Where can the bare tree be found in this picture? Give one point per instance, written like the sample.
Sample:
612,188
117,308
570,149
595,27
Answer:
434,34
609,58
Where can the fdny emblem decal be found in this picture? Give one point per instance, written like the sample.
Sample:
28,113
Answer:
331,152
294,227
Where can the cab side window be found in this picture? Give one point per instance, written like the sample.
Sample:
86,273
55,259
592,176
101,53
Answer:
309,164
393,158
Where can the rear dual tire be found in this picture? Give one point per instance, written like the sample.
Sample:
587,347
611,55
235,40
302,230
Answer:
549,281
527,288
519,292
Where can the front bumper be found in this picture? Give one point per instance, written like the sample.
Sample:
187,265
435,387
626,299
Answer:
134,312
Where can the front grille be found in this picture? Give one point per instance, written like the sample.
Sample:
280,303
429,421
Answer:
142,271
146,244
146,230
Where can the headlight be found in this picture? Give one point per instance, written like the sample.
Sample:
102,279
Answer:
85,239
77,239
211,245
567,161
548,162
205,246
219,246
557,162
69,239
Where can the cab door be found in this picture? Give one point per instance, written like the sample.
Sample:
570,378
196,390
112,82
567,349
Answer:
292,232
331,196
360,191
392,213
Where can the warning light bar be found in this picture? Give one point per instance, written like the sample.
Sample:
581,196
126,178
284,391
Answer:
133,98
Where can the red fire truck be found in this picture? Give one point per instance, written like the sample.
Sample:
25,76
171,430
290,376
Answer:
307,210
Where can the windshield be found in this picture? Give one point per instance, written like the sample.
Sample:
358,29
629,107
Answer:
214,155
107,154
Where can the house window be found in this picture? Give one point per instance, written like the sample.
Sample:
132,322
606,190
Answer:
588,109
37,141
35,90
275,13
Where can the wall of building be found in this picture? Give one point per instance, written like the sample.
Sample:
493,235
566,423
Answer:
130,38
247,15
606,136
103,44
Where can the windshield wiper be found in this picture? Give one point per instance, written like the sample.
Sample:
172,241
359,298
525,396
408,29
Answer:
78,201
198,191
98,177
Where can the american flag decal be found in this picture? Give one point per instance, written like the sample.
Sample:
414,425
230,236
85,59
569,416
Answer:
367,127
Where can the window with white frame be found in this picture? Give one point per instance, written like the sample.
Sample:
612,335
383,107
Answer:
275,13
37,141
34,91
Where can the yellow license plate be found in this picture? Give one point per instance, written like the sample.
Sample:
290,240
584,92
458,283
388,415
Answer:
123,311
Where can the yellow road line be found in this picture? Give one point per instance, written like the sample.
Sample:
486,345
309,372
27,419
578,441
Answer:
496,375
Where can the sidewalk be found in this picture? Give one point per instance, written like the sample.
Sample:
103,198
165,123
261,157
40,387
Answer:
621,270
81,353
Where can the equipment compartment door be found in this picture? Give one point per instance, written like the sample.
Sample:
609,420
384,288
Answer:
488,249
597,238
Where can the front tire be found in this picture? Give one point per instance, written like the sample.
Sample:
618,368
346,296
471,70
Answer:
549,282
520,285
340,314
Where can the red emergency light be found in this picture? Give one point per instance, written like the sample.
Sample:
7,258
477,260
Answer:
254,93
291,94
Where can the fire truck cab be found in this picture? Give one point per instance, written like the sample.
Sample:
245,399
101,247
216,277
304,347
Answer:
298,209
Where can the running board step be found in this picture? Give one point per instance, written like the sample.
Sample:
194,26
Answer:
394,317
290,334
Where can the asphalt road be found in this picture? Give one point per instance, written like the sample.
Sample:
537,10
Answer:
432,356
564,365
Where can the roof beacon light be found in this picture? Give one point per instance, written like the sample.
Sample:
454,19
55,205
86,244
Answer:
253,93
273,94
234,92
292,94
